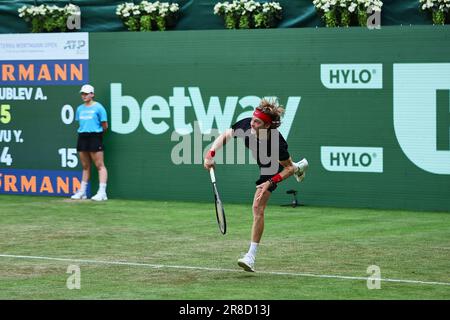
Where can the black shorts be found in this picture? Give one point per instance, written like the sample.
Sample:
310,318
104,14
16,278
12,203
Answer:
90,141
264,178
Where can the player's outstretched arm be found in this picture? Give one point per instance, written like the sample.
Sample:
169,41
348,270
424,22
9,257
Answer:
220,141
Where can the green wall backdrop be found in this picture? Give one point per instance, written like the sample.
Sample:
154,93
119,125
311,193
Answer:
368,109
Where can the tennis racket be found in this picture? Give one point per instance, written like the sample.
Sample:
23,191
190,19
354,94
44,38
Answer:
220,212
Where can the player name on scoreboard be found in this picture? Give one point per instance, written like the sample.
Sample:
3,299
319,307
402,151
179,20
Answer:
21,93
11,136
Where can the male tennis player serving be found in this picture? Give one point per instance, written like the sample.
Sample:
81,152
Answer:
270,150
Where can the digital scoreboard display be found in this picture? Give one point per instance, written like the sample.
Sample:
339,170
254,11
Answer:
40,78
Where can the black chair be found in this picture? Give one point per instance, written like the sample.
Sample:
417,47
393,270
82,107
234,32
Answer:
294,202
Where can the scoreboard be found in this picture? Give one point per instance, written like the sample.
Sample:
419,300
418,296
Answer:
40,79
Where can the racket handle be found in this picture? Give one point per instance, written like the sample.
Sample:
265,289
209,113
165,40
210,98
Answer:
213,176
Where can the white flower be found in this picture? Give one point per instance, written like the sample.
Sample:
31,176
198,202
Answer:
72,9
217,7
433,5
350,5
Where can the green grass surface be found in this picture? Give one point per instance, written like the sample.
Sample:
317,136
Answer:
321,241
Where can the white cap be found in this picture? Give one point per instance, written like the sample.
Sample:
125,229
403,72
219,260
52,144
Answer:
87,88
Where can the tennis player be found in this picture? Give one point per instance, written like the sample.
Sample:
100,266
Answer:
269,148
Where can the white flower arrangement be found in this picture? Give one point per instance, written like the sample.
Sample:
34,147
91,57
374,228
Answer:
247,14
344,12
374,4
48,18
148,16
325,5
442,5
438,8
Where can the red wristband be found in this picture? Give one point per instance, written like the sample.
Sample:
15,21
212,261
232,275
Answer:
277,178
211,153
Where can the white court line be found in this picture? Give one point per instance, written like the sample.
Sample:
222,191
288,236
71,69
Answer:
162,266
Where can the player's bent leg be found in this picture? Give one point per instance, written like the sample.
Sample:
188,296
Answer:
248,261
258,215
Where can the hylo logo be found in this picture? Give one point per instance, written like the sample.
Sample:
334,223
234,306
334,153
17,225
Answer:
352,159
352,76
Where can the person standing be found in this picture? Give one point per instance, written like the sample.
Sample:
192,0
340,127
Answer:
93,123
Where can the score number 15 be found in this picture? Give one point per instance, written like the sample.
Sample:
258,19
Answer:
68,155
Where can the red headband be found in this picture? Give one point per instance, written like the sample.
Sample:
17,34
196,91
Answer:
261,115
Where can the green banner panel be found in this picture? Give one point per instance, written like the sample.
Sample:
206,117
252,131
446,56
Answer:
369,109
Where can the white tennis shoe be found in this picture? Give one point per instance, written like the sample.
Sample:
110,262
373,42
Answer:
100,196
247,263
301,166
79,195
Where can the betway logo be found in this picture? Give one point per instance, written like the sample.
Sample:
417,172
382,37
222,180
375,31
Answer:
155,111
352,159
352,76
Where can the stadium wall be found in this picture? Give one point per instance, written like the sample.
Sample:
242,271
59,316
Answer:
369,109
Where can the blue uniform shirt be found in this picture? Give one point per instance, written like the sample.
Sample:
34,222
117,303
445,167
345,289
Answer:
91,118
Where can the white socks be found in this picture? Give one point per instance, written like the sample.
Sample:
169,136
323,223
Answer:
102,188
83,187
253,248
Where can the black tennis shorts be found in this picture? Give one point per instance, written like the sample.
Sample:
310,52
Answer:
90,141
263,179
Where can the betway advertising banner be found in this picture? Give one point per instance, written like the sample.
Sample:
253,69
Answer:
369,109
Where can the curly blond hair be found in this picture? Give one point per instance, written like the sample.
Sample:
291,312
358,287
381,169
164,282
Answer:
273,109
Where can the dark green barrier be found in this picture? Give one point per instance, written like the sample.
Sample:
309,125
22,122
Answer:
198,14
368,109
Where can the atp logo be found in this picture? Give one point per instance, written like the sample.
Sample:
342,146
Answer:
422,114
74,44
